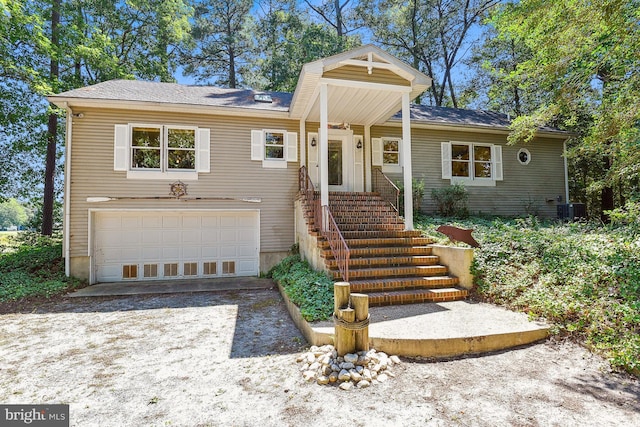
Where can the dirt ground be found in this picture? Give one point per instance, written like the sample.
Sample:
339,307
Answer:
228,359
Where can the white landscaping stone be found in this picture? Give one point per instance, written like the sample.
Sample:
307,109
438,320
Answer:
311,358
347,365
346,386
314,366
366,374
363,384
382,378
309,376
333,377
395,359
355,376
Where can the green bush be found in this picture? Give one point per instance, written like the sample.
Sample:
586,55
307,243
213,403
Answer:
451,201
33,269
417,188
583,278
310,290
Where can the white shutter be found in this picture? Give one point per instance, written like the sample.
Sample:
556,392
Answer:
496,156
292,147
257,145
313,158
376,151
121,148
445,152
203,150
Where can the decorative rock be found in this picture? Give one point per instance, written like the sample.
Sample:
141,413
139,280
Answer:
366,374
326,370
346,386
356,377
333,377
347,365
323,380
309,376
344,375
351,358
362,360
363,384
335,367
305,367
311,358
314,366
359,369
395,359
382,378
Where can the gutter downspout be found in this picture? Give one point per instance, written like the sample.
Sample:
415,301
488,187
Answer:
566,171
67,192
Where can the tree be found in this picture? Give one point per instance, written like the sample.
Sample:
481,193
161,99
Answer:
588,66
432,35
336,14
12,214
222,42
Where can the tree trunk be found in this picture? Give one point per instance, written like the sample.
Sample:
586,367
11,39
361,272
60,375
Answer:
52,129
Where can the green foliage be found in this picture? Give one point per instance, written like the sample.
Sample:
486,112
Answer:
451,200
583,278
418,195
34,269
12,213
310,290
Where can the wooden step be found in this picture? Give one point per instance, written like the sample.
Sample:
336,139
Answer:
385,261
402,283
387,272
417,296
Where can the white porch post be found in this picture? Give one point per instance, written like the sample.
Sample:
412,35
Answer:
303,143
406,162
323,147
367,157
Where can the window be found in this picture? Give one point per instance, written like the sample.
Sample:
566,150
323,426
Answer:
161,151
387,152
524,156
274,145
274,148
473,164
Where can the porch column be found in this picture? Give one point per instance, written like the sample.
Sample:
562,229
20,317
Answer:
303,143
323,147
367,157
406,162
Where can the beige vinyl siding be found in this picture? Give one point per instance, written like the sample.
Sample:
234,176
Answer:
523,185
232,174
355,73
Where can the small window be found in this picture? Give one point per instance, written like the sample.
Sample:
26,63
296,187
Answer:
391,151
524,156
130,271
228,267
181,149
190,268
151,270
171,270
274,145
210,268
146,149
463,162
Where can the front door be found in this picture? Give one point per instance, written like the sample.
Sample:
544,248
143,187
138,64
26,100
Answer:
339,160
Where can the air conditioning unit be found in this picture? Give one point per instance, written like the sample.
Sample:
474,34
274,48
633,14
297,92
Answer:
571,211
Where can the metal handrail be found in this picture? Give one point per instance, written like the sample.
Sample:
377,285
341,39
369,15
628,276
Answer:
327,227
339,248
387,189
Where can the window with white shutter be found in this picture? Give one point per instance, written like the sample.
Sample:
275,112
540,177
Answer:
473,164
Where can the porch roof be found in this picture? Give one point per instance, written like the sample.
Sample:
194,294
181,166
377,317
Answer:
364,86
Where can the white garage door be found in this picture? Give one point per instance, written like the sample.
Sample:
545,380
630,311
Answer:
152,245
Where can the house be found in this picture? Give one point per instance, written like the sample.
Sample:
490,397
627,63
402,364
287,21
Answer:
171,181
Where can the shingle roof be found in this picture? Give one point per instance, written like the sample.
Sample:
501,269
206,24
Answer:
179,94
173,93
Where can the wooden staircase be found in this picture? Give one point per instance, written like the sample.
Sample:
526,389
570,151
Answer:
391,265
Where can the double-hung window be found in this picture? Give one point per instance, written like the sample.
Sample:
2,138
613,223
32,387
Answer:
386,152
471,163
274,148
161,151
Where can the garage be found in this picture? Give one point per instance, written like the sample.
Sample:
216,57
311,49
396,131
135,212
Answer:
161,245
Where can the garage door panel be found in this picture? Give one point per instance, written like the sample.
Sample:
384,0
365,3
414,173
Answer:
175,244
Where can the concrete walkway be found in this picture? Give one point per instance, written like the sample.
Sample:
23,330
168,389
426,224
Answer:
428,330
173,286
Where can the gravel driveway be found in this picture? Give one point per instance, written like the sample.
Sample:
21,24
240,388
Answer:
228,359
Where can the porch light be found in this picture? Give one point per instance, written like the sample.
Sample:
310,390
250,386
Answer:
359,144
314,142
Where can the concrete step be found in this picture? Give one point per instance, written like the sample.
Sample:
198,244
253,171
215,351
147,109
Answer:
402,283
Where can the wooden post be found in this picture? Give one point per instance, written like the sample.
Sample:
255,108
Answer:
361,306
344,338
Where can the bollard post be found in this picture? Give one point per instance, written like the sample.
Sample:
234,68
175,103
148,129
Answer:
360,304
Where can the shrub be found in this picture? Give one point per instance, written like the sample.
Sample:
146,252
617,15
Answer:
310,290
418,195
452,200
